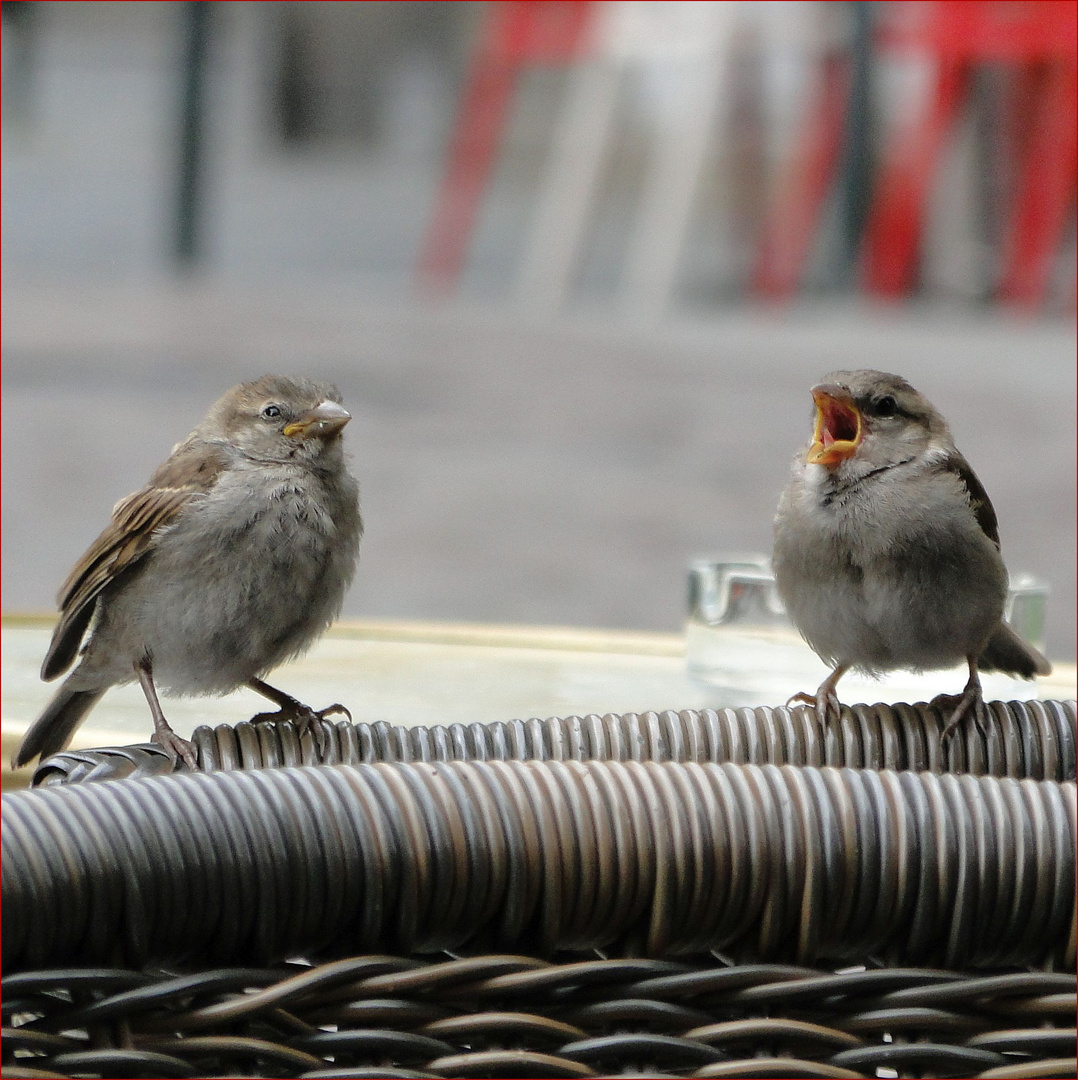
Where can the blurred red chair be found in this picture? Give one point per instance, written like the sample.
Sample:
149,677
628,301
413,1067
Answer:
514,35
1037,38
790,225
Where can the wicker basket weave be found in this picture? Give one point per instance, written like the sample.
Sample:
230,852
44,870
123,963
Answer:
655,894
497,1015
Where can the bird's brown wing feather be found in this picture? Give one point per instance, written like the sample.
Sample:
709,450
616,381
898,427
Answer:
1005,650
136,522
979,502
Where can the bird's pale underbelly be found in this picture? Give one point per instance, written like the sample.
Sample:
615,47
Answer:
263,595
877,621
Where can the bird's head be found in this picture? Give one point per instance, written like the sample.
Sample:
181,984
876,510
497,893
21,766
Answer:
867,420
280,419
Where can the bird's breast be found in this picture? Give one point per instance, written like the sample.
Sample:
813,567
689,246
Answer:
889,573
249,577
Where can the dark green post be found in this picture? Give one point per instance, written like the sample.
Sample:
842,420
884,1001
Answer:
857,166
196,16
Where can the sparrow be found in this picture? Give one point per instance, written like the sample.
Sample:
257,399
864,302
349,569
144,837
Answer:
235,557
887,549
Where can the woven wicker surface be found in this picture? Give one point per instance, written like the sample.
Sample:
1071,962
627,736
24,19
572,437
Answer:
1023,739
764,862
497,1015
611,878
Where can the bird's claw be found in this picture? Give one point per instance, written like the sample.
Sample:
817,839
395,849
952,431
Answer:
306,720
330,710
825,703
176,747
969,702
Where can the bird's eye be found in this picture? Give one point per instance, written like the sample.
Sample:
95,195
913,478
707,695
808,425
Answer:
271,412
886,406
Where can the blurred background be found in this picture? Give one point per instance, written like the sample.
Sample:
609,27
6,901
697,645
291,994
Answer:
574,266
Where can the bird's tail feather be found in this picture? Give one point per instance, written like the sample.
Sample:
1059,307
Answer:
1007,652
53,729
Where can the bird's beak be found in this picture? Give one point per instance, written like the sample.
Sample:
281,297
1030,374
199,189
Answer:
838,427
320,423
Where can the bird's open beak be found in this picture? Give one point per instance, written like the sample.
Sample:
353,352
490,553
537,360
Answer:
838,427
320,423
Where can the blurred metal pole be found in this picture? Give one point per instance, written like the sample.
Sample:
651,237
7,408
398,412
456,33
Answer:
989,184
675,175
567,193
858,160
22,19
196,16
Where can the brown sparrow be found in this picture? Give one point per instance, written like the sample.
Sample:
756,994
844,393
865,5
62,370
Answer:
234,558
886,546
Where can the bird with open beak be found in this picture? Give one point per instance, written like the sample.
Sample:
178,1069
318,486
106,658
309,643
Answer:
234,558
887,550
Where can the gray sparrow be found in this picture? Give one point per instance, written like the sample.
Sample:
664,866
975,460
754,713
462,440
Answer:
887,549
232,559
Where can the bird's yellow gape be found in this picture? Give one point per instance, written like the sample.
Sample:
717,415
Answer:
838,427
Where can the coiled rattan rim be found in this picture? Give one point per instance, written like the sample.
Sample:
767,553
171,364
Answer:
1035,739
653,858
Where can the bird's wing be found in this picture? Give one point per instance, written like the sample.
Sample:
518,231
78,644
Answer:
1005,650
137,521
979,501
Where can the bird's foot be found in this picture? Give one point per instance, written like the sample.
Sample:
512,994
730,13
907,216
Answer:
305,718
825,701
163,735
969,703
175,746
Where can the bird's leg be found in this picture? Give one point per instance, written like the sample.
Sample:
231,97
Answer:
303,716
163,734
970,700
825,699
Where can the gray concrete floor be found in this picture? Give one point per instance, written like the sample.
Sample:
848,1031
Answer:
558,473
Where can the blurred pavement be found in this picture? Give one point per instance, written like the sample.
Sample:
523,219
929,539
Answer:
554,473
